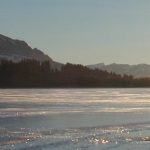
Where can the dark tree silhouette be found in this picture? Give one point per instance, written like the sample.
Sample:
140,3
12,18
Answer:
31,73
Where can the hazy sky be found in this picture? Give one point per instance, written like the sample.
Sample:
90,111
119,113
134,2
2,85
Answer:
81,31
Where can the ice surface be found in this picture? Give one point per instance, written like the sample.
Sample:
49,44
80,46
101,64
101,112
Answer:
74,119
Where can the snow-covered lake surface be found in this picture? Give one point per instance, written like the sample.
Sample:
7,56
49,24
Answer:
75,119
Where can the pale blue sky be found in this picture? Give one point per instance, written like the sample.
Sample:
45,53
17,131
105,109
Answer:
81,31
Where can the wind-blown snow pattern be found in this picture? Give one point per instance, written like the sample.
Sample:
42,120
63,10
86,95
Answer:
74,119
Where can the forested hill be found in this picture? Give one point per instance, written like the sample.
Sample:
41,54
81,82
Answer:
32,73
17,50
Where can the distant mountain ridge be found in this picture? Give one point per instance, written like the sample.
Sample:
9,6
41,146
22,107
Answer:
139,70
17,50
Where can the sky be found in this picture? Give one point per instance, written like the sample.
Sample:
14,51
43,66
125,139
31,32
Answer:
81,31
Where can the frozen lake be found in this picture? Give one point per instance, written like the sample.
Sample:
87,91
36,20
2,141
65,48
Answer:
75,119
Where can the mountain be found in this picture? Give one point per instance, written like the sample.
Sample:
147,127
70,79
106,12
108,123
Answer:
139,70
17,50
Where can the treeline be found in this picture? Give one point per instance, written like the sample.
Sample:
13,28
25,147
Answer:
31,73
